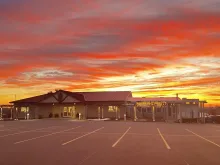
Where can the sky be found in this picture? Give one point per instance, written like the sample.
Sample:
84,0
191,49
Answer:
154,48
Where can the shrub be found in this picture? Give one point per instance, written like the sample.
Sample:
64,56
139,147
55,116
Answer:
50,115
56,115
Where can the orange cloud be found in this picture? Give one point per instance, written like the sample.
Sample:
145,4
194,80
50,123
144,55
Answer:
146,47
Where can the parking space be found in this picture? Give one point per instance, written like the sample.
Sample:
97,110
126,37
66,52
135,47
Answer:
73,143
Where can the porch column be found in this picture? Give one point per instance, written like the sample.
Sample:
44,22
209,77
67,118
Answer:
153,113
119,112
163,109
167,109
16,112
135,114
102,113
180,113
99,111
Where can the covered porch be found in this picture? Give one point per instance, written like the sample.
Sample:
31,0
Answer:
156,109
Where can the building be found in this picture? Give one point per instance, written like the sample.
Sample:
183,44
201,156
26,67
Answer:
113,105
69,104
6,112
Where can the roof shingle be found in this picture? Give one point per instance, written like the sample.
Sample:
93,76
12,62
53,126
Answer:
107,96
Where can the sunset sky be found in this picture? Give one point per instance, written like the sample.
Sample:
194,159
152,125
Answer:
150,47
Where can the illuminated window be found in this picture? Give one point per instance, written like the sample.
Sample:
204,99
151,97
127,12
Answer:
70,109
187,102
112,108
65,109
23,109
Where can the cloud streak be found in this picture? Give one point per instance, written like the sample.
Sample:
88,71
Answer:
149,47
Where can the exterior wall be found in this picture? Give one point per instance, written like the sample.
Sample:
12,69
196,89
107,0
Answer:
57,109
189,110
80,108
43,110
92,111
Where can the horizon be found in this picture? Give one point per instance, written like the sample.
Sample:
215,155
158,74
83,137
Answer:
155,48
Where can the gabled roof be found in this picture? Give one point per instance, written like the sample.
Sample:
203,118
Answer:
78,96
40,98
34,99
107,95
81,96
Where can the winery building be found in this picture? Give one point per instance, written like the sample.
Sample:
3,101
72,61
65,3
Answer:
112,105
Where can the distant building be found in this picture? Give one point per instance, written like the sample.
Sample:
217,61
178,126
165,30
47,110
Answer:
114,105
6,111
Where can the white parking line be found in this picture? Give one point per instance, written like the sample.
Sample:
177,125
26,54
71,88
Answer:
27,131
203,138
87,158
82,136
121,137
165,142
45,135
186,162
6,130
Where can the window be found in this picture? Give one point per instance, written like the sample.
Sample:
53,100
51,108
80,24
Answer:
23,109
69,111
187,102
65,113
112,108
149,110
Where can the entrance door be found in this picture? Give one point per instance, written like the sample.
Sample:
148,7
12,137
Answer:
65,112
69,112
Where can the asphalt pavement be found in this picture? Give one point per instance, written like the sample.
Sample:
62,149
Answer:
65,142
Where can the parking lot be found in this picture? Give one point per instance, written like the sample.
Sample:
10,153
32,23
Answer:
64,142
